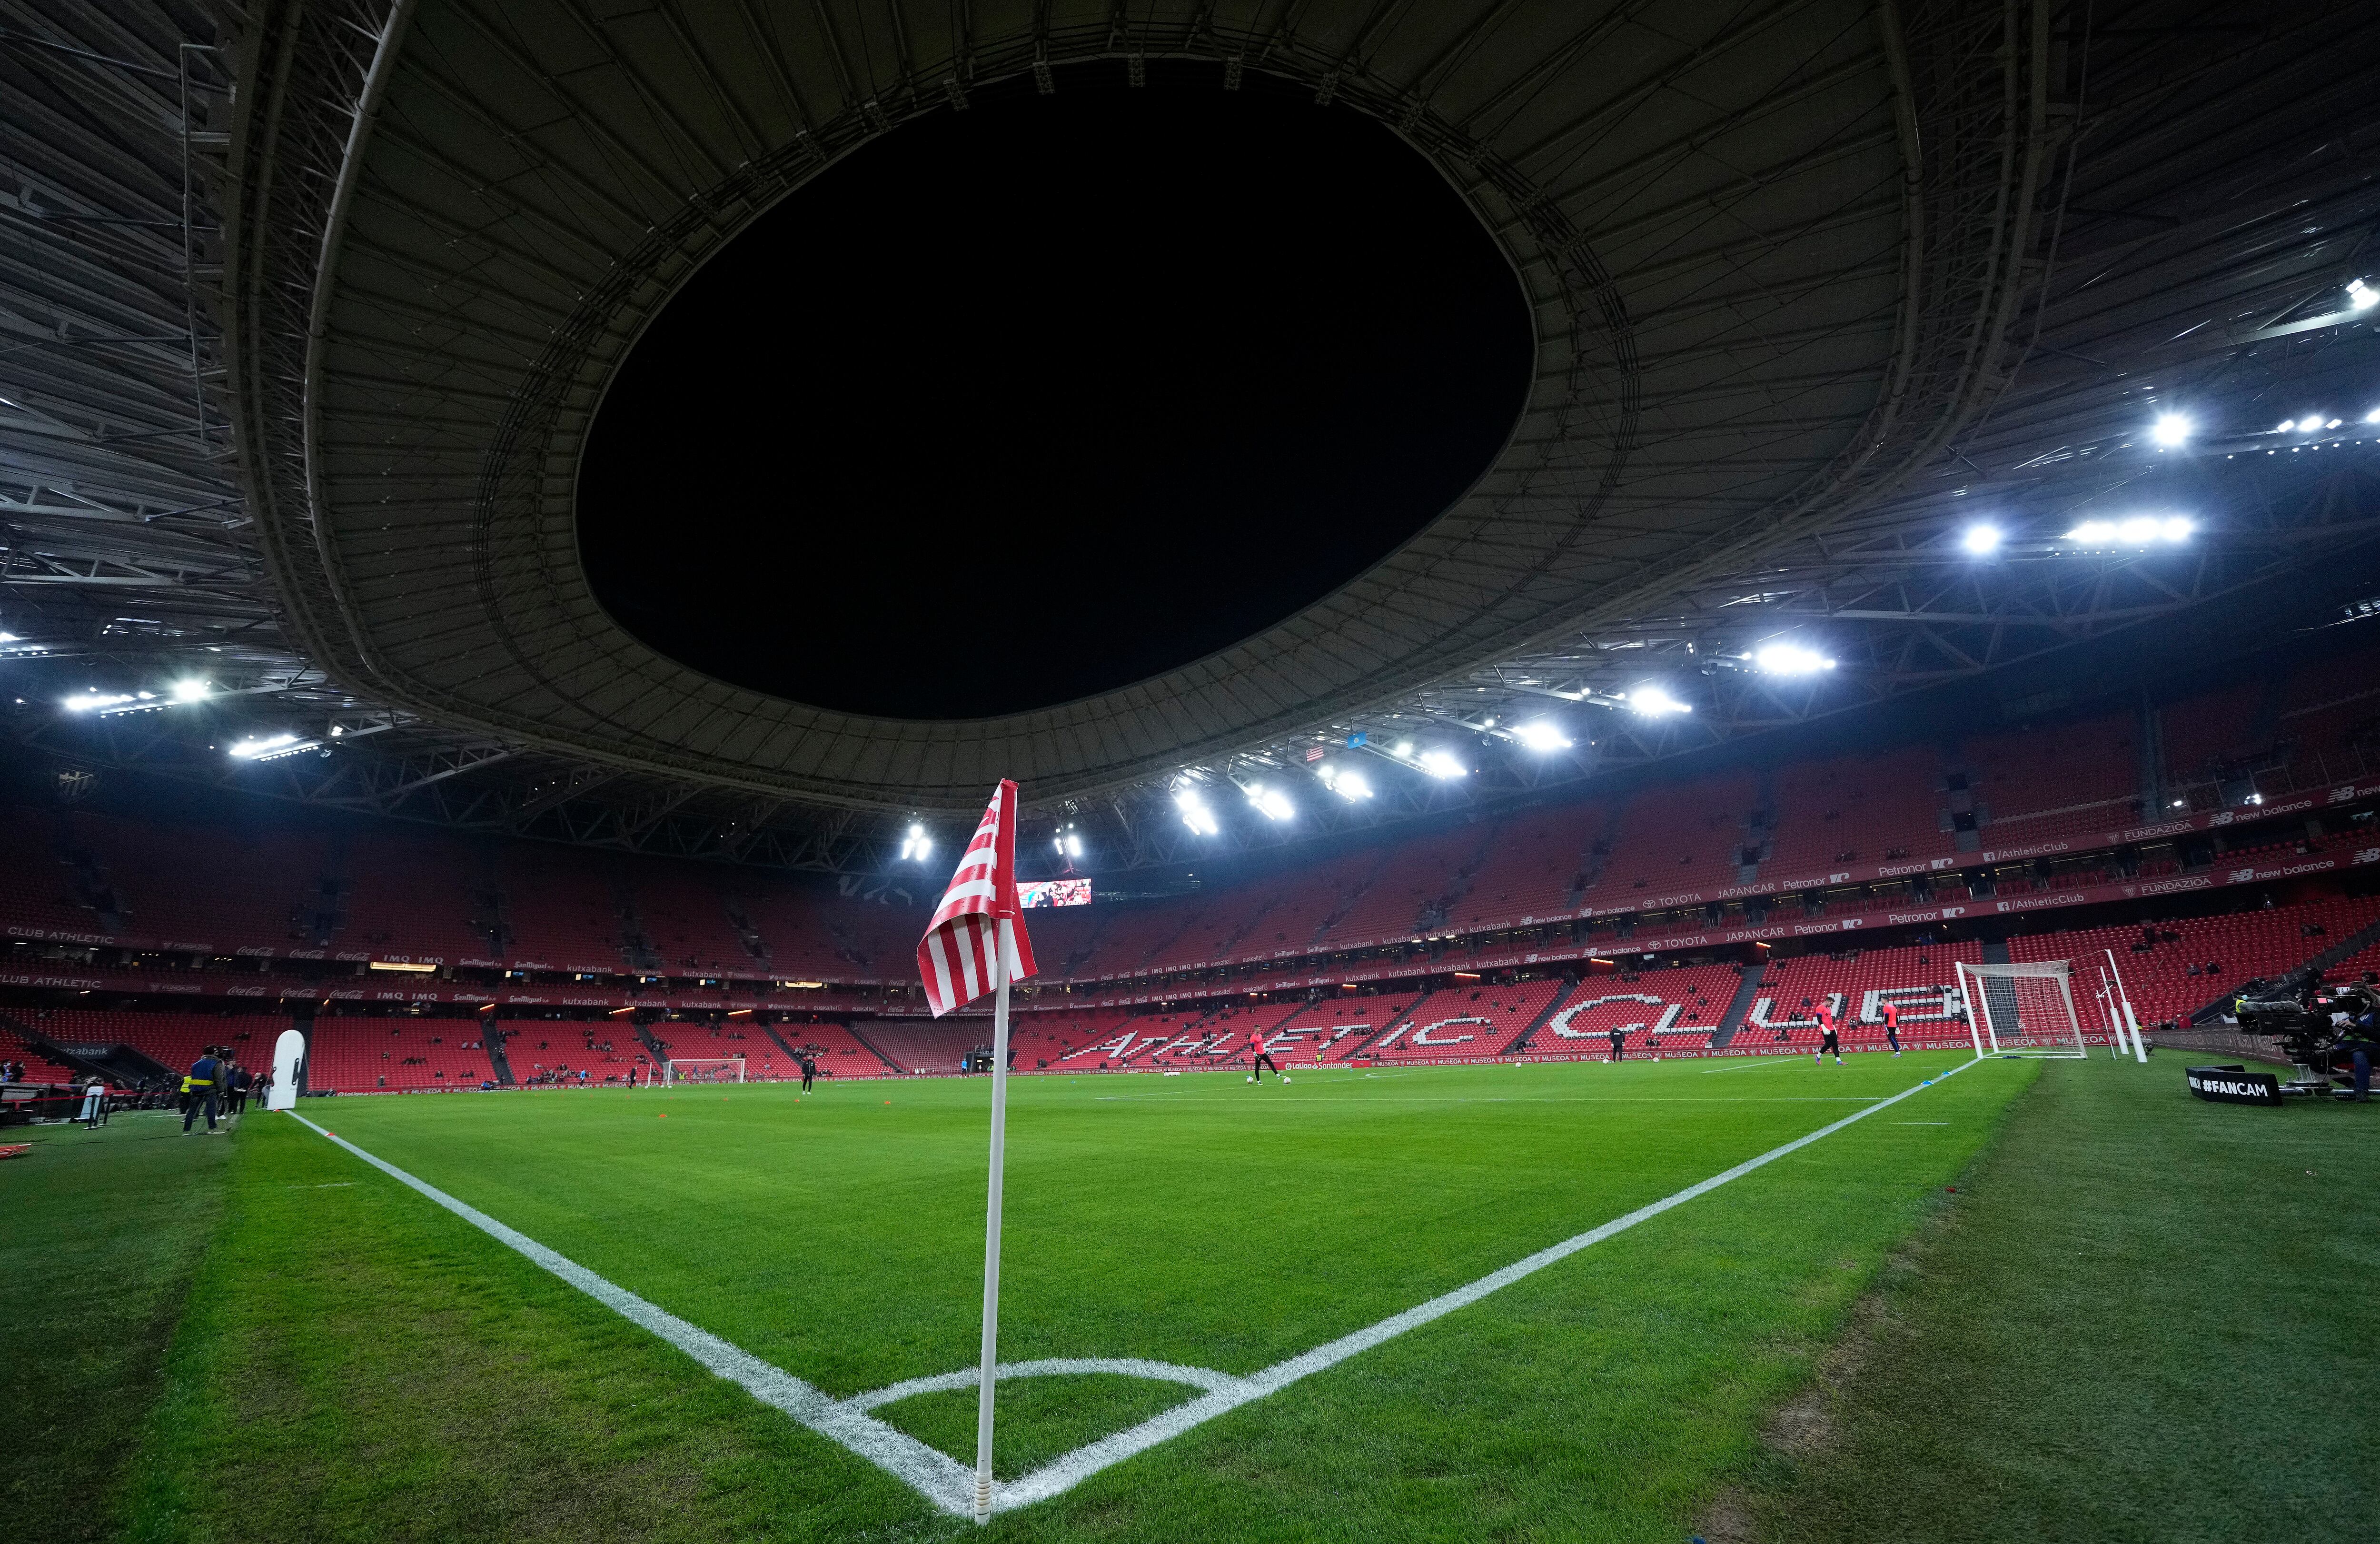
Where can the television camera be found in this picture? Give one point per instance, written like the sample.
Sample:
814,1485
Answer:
2299,1011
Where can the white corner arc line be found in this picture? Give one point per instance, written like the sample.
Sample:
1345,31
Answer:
1121,1366
949,1485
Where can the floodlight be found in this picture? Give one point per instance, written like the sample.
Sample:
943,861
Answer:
2332,424
1404,747
1074,845
1271,803
2309,423
2363,297
92,698
1653,702
2372,417
1442,765
1195,813
2135,530
2285,426
1981,539
1351,786
1543,735
258,746
917,844
191,690
1791,659
2170,430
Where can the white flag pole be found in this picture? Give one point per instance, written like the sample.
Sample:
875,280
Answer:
1002,950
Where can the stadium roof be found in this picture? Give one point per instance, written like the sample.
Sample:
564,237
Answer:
308,317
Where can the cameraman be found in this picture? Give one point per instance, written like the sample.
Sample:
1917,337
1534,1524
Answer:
2359,1033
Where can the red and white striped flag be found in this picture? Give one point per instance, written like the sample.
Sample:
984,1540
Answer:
954,959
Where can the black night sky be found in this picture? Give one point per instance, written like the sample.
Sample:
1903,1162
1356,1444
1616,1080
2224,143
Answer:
1021,404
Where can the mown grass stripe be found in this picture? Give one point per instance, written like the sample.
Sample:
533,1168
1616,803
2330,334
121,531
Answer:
1087,1460
933,1474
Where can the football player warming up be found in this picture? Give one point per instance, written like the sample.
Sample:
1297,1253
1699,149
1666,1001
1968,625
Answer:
1828,1044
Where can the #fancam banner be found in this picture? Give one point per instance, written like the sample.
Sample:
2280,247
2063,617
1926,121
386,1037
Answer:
2234,1083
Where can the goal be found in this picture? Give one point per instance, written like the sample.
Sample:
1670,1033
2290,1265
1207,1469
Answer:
2021,1010
703,1069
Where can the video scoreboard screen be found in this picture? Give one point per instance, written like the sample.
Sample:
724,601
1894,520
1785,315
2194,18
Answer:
1053,892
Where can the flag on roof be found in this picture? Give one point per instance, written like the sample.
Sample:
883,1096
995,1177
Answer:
955,959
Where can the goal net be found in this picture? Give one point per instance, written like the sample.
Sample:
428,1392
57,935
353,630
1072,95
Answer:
703,1069
2022,1010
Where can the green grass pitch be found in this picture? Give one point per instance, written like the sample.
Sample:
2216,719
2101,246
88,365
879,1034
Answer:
403,1373
2138,1318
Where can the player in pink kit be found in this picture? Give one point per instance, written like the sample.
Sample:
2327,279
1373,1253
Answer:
1260,1059
1828,1041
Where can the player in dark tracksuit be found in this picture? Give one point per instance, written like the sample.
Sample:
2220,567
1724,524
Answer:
1828,1044
1892,1027
1618,1040
809,1071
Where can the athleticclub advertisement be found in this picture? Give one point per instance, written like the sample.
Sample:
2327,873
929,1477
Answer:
1053,892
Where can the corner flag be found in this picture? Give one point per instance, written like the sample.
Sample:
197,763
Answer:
955,957
977,943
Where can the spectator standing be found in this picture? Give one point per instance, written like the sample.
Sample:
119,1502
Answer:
200,1090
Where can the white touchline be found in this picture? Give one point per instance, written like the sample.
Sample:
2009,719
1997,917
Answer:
950,1485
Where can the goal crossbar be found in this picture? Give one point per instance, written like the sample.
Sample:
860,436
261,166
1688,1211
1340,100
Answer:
703,1069
2022,1009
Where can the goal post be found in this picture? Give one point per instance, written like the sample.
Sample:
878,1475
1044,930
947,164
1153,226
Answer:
2123,1006
703,1069
2022,1010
